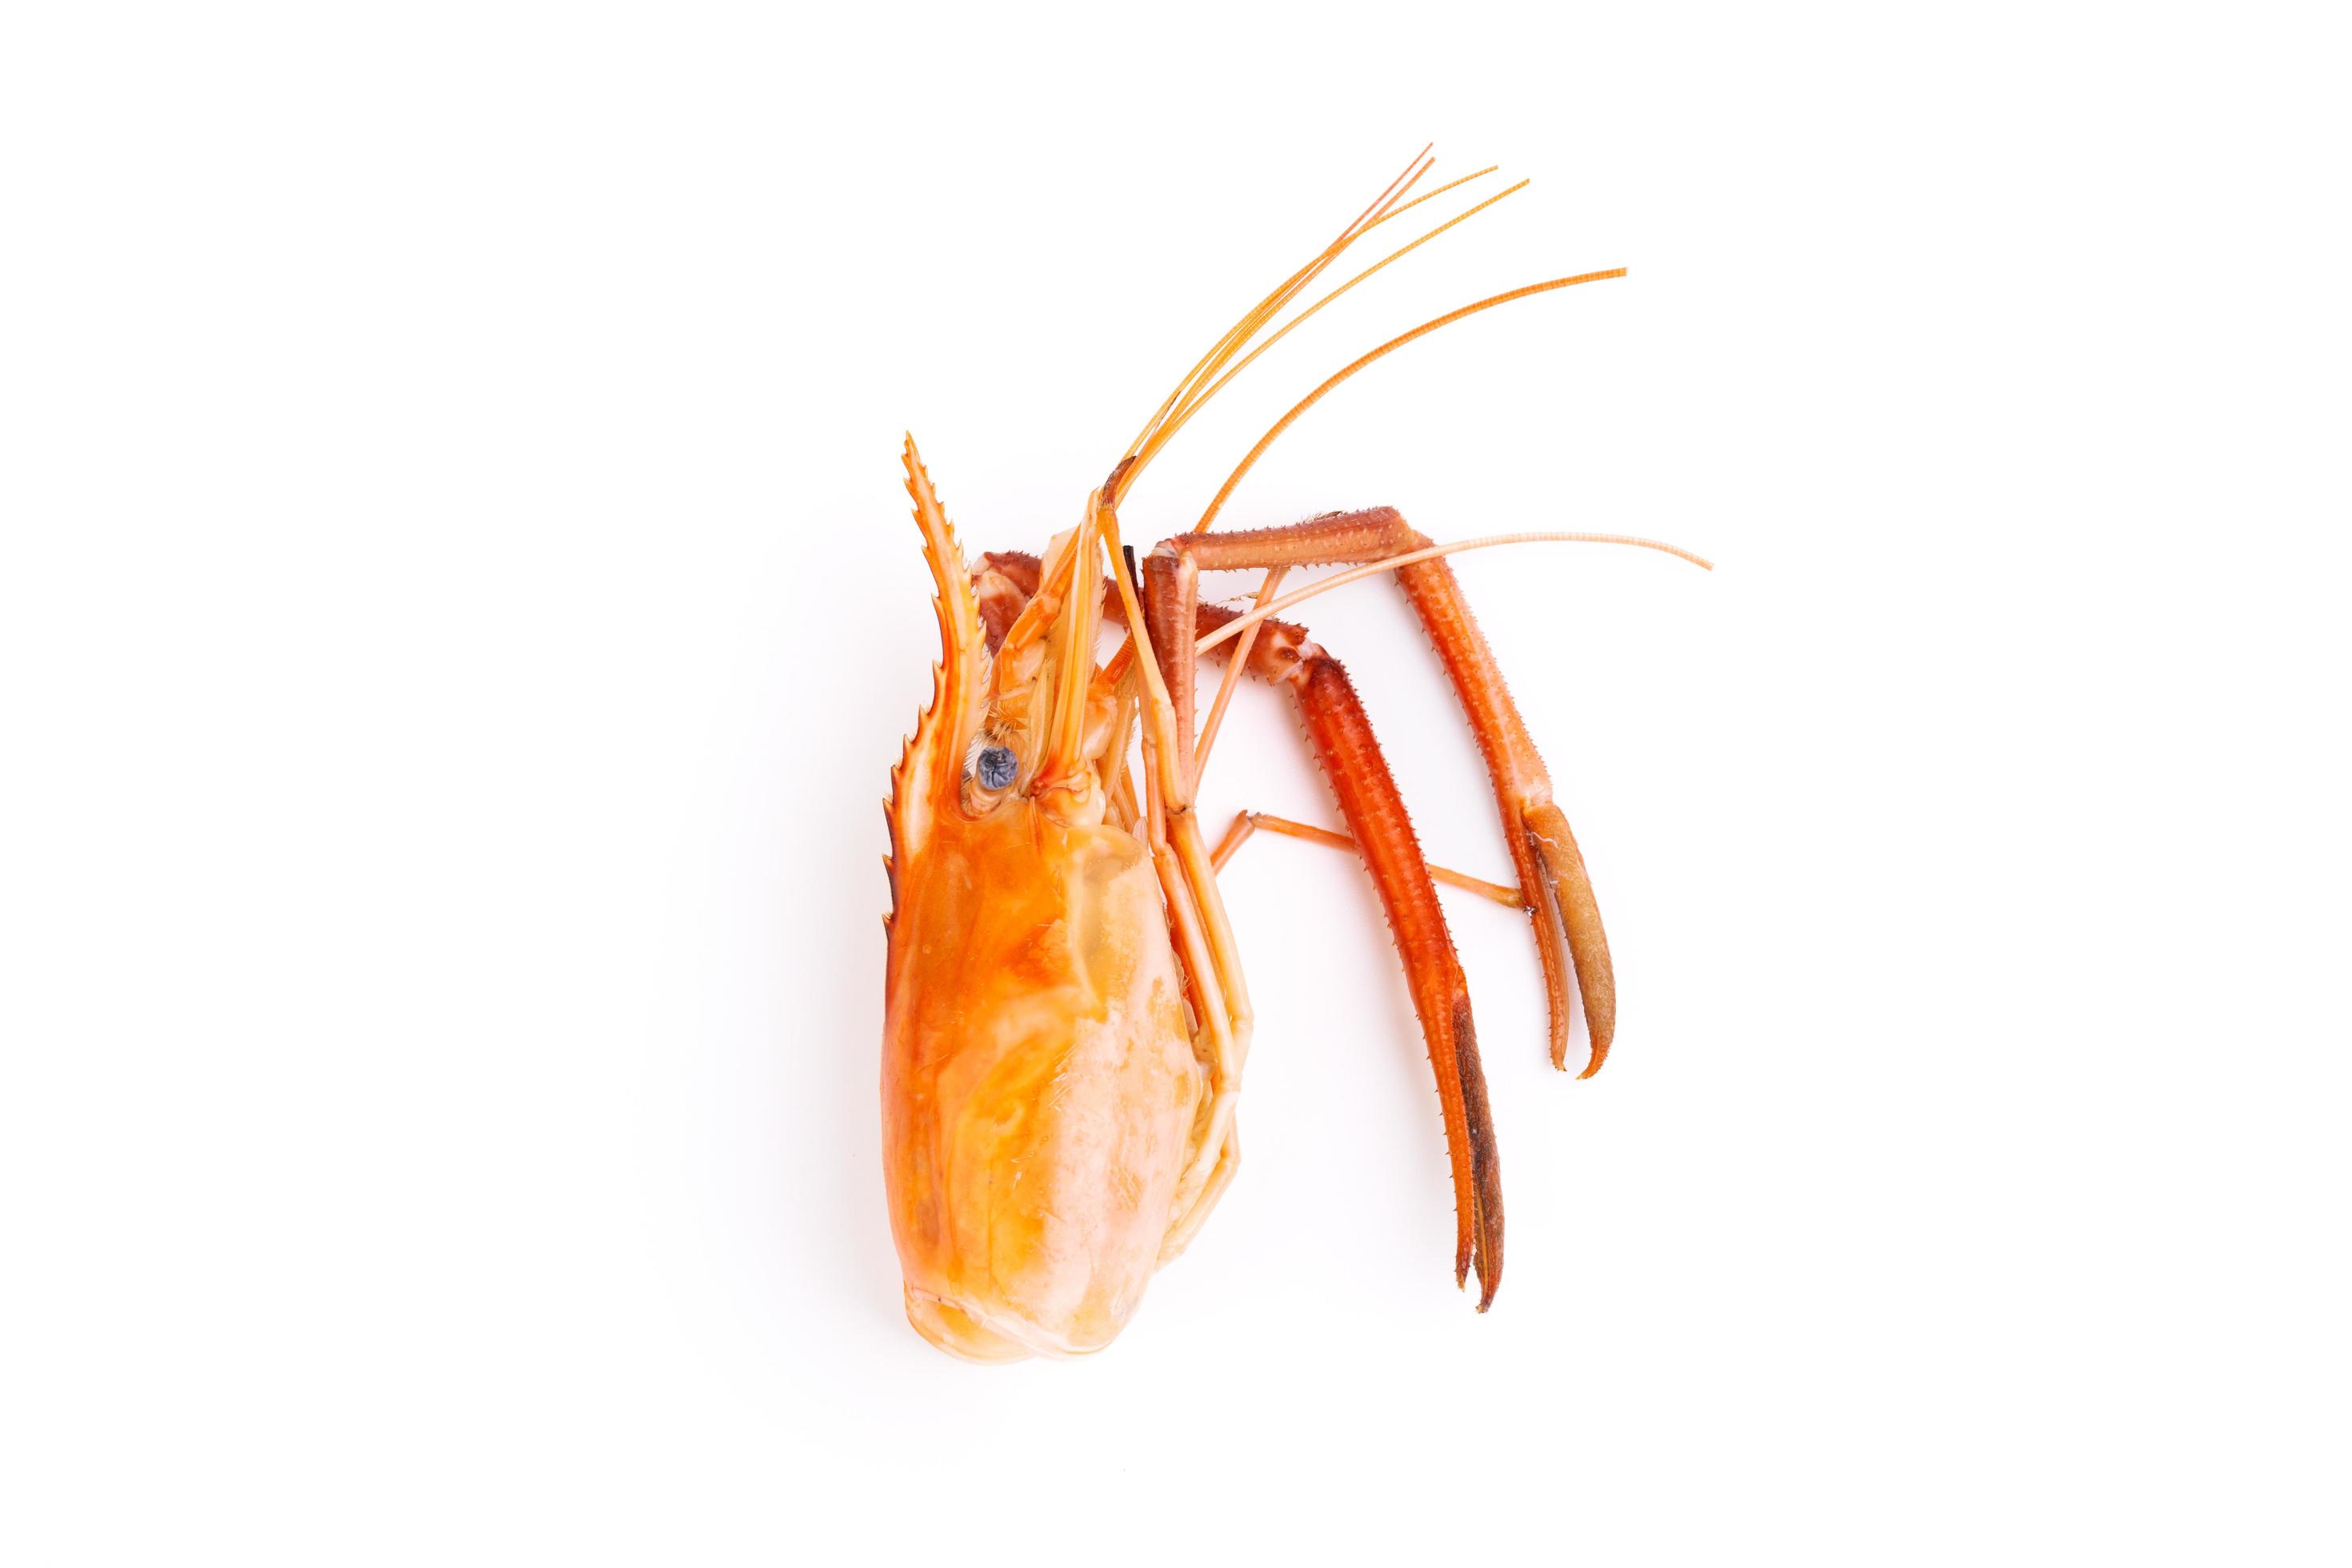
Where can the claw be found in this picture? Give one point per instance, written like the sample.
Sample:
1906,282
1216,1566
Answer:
1342,737
1568,899
1486,1171
1561,906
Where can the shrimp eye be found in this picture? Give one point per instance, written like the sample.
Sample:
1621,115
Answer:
997,767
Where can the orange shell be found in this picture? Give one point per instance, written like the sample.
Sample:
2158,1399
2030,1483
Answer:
1039,1088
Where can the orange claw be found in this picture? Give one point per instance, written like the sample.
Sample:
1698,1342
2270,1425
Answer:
1564,915
1579,914
1369,799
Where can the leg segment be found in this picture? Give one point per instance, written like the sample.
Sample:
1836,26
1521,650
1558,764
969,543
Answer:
1249,822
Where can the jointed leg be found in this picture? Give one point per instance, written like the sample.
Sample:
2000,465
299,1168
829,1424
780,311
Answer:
1249,822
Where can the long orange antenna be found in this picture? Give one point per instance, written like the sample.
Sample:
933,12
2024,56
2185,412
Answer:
1412,172
1271,305
1190,393
1312,398
1173,414
1400,210
1193,403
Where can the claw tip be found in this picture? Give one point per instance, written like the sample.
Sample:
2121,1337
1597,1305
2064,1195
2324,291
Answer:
1600,1053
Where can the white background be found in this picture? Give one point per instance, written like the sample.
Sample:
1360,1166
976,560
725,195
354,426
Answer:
459,608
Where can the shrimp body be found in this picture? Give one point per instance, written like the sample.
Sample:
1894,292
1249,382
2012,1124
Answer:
1066,1021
